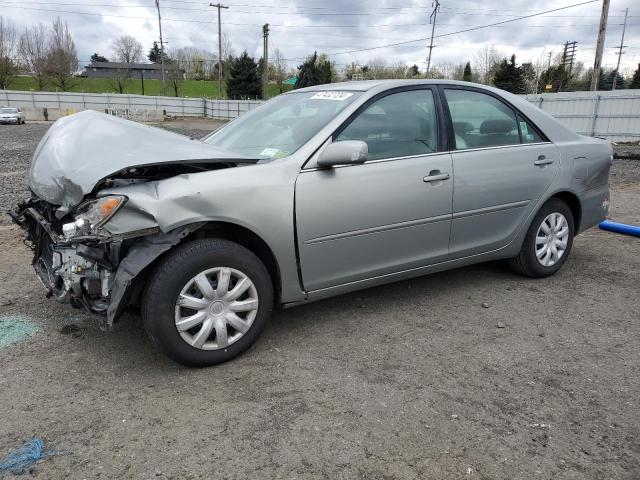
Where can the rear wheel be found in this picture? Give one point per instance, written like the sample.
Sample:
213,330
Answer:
207,302
548,241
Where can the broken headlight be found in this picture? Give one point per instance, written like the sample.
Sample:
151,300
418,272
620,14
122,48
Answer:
92,215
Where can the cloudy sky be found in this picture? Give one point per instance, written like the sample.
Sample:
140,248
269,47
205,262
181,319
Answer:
298,27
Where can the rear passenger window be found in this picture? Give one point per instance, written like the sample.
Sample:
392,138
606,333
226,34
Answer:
480,120
399,125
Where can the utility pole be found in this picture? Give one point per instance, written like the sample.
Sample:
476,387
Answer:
265,61
602,31
620,52
219,6
432,20
164,85
549,62
568,56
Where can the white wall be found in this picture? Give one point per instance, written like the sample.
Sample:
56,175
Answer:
612,115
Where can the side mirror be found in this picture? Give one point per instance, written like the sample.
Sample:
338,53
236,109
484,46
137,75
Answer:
346,152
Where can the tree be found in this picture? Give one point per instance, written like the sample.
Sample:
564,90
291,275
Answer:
120,78
34,50
62,58
487,60
315,71
509,76
635,80
95,58
377,68
414,71
556,76
8,50
174,75
127,49
155,54
606,80
467,75
244,78
279,69
397,70
197,63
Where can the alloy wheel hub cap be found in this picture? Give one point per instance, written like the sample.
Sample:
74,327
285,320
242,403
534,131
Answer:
552,239
216,308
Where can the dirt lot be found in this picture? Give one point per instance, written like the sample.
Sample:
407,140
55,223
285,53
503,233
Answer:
411,380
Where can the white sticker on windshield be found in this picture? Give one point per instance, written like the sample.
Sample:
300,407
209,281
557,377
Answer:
269,152
339,96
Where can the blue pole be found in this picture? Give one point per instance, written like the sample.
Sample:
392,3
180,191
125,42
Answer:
620,228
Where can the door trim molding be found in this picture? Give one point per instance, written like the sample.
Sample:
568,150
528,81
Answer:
493,208
382,228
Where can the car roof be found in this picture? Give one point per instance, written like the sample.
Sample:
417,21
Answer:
365,85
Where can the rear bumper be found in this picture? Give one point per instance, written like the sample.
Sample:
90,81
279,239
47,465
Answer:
595,207
10,120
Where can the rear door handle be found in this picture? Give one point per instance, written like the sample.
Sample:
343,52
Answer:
436,176
542,161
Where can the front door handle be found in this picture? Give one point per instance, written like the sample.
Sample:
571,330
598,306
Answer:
436,176
542,161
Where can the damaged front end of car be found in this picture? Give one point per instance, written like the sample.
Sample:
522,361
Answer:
80,262
89,246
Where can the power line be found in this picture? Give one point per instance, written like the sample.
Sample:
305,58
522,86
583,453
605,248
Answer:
298,11
432,18
219,6
620,49
465,30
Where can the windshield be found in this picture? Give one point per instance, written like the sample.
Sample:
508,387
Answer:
282,125
8,110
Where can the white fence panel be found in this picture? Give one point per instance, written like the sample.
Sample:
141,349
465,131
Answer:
613,115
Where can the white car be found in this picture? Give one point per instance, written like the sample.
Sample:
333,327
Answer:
11,115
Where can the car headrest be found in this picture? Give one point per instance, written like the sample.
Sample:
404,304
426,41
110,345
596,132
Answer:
500,125
462,127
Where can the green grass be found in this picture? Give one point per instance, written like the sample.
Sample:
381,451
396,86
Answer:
186,88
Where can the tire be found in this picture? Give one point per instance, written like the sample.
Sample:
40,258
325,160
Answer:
527,262
175,276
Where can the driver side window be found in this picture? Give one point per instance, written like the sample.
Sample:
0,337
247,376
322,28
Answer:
398,125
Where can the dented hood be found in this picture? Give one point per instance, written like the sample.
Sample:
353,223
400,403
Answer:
80,150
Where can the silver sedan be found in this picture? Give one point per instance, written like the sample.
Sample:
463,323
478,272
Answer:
319,192
13,115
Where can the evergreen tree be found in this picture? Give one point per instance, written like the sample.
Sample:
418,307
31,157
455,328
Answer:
467,75
414,71
244,78
155,54
605,81
635,80
556,76
510,77
95,58
314,71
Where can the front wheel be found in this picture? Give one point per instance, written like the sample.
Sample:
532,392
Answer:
207,302
548,241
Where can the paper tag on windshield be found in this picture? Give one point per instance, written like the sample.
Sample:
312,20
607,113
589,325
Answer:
269,152
339,96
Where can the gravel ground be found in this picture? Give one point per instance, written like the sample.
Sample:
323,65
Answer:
410,380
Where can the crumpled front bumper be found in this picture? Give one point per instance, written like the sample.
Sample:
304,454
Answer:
94,272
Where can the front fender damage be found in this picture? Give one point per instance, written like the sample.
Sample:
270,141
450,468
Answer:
140,255
94,271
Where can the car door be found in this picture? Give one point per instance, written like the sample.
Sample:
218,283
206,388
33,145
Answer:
502,164
389,214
